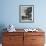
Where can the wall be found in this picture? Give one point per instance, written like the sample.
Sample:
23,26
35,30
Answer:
9,13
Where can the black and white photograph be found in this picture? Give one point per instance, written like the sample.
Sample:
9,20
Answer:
26,13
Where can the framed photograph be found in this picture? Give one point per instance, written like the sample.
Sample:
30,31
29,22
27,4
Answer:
26,13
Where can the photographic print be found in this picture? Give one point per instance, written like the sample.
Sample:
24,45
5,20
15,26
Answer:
26,13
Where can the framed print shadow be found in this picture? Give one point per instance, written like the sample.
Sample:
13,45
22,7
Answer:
26,13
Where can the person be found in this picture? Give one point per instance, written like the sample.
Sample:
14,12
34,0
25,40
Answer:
28,12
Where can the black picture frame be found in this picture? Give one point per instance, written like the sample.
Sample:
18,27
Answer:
26,13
